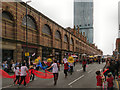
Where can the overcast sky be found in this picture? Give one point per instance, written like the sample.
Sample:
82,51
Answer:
105,19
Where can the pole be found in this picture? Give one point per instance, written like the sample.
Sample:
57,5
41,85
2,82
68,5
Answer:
26,37
26,31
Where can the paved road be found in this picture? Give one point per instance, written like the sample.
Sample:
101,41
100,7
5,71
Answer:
78,79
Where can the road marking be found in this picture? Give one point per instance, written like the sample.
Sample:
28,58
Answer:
90,71
117,84
7,86
79,69
76,80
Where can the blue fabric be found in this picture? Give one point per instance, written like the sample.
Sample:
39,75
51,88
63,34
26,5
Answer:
40,65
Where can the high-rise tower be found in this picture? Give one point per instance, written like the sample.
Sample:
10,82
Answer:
83,17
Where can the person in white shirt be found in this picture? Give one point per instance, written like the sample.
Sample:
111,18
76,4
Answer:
17,73
54,71
23,73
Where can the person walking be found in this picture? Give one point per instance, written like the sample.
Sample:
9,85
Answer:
65,68
84,65
117,65
99,78
17,74
54,71
110,82
23,73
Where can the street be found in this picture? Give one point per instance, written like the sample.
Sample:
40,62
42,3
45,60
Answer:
78,79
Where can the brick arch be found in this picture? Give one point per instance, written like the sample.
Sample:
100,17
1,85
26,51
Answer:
46,39
67,38
10,12
34,19
58,42
66,44
51,32
59,32
8,31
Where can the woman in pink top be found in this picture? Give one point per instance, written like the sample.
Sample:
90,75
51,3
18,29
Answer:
23,73
54,71
17,73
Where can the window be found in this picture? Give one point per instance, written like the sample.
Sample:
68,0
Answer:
71,41
65,38
30,22
7,15
57,35
46,30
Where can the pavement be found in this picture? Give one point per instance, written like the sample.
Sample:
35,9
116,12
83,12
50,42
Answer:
78,79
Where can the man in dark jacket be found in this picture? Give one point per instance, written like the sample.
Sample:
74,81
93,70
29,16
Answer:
117,66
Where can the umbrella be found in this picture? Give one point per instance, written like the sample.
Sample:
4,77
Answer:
74,55
90,56
50,56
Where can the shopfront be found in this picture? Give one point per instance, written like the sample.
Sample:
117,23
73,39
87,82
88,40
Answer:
32,52
7,55
58,55
46,52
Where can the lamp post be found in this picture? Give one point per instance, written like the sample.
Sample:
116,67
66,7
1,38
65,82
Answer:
27,32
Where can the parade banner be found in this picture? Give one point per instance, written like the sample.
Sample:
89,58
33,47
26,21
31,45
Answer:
43,75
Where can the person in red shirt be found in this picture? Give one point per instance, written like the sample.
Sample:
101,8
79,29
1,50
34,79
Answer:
99,78
110,81
65,68
84,65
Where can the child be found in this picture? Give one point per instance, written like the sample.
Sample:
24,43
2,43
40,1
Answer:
99,78
17,73
110,81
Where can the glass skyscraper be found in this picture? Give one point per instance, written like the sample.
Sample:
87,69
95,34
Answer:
83,17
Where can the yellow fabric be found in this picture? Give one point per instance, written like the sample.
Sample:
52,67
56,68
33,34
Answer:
70,59
36,61
49,60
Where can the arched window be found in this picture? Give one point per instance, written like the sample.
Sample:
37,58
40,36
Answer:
46,30
57,35
30,22
71,41
7,15
65,38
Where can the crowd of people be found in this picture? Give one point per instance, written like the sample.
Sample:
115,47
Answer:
111,69
109,74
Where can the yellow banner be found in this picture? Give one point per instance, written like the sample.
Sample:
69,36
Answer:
27,54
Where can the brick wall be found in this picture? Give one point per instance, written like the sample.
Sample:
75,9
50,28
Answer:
14,30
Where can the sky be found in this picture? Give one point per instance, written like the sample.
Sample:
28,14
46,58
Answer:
105,19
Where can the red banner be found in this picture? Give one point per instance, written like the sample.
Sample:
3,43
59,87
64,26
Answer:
46,75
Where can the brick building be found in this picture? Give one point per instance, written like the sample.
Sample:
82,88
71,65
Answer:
45,36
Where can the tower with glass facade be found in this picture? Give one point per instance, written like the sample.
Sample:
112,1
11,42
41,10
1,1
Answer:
83,17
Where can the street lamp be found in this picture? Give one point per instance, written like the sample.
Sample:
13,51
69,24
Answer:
27,31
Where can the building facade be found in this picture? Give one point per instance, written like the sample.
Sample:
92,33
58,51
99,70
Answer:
83,17
44,35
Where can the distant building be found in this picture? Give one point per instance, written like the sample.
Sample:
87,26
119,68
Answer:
83,17
117,50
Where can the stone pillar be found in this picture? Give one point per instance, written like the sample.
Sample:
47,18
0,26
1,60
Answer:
17,54
40,52
62,53
53,53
